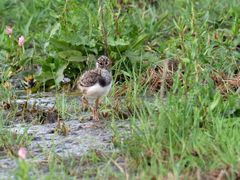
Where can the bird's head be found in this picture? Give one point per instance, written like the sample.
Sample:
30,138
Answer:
103,62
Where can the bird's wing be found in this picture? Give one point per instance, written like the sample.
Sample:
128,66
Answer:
89,78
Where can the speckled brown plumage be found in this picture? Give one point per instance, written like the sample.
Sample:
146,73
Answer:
98,75
96,83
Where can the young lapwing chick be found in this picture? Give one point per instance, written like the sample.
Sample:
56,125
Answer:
96,83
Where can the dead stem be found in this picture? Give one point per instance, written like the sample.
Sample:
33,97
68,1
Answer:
165,69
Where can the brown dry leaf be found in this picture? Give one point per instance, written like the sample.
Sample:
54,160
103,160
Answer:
6,105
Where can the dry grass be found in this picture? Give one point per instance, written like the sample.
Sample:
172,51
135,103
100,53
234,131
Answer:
154,78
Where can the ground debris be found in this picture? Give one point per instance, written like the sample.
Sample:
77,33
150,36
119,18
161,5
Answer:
42,116
154,76
225,83
34,110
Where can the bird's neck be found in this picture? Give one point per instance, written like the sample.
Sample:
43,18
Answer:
103,69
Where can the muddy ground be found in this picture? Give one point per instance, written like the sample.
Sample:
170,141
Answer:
81,136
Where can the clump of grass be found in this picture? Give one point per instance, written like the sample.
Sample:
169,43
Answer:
184,134
10,142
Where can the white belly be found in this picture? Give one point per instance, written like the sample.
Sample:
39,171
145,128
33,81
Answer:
96,90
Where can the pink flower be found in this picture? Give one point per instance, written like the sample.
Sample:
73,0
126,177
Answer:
9,30
22,152
21,41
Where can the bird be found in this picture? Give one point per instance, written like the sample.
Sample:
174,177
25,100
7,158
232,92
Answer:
95,84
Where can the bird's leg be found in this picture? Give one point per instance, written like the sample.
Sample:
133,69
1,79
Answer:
99,101
95,110
85,103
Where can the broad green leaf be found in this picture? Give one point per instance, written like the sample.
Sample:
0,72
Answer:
69,53
72,55
54,30
59,45
77,39
59,74
118,42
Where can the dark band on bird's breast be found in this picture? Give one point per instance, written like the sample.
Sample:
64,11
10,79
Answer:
102,82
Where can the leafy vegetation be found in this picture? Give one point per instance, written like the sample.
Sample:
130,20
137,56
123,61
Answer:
184,120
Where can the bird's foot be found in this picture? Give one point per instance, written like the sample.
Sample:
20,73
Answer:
95,118
95,115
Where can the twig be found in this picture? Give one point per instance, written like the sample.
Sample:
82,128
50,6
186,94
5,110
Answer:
103,28
165,69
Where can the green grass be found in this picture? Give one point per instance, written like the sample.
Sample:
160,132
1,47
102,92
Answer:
195,129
